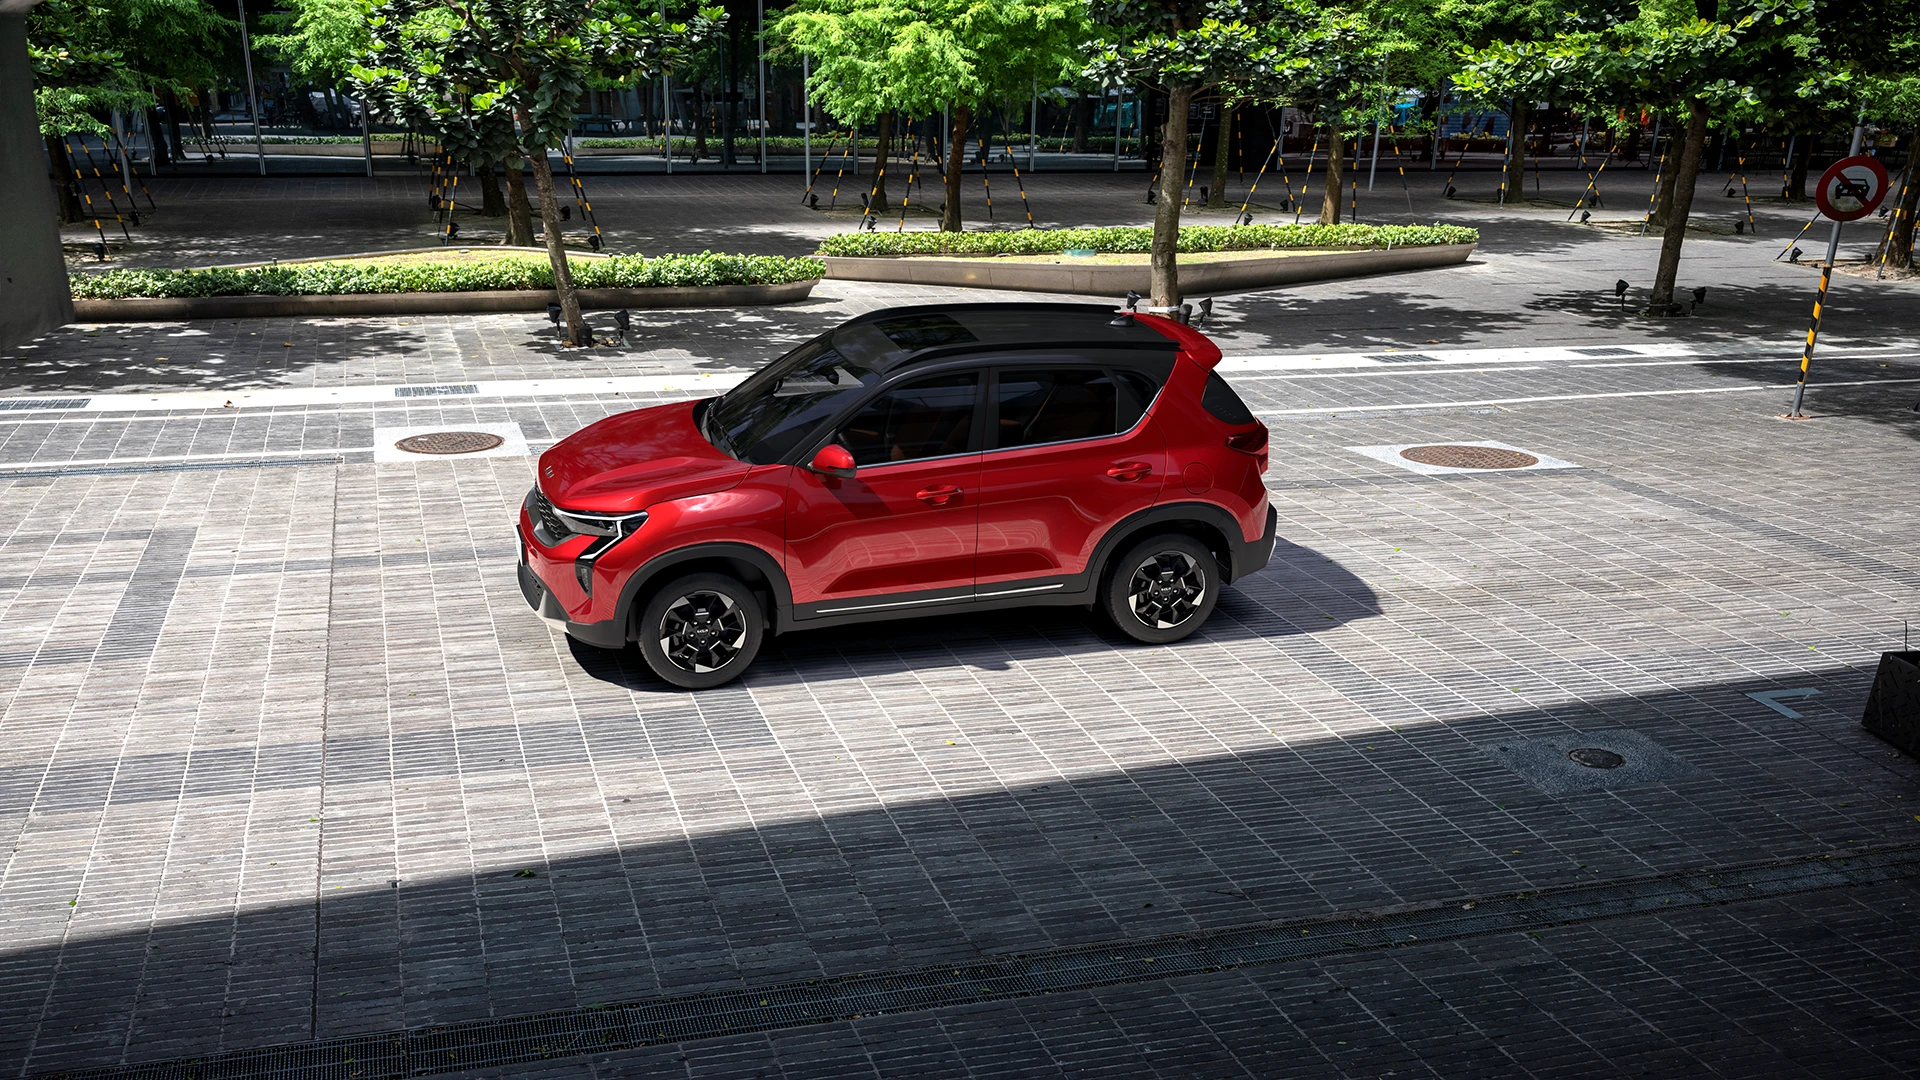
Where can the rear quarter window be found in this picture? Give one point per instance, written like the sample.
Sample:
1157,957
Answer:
1222,403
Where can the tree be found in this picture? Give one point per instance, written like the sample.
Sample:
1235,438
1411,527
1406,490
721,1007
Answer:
89,58
1181,48
1686,56
1336,71
873,59
503,78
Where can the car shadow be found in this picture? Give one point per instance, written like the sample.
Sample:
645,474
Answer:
1299,591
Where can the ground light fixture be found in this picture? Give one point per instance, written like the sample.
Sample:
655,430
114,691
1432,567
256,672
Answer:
1620,293
1125,318
1206,311
553,316
1699,297
621,320
1740,226
1586,216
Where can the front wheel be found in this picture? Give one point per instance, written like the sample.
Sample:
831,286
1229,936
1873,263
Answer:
701,630
1162,588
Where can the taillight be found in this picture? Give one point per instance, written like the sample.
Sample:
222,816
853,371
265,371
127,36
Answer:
1249,442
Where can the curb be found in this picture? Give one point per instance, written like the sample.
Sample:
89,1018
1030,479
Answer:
1227,275
175,309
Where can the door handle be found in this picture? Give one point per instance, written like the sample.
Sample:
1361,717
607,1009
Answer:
939,495
1128,471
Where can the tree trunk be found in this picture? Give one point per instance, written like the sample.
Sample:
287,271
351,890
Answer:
699,125
556,251
1336,165
492,204
157,138
173,127
1166,209
519,213
1685,175
878,201
1797,186
1223,140
1514,178
1669,167
1082,122
956,157
71,208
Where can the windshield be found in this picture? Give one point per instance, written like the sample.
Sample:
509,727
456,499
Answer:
783,404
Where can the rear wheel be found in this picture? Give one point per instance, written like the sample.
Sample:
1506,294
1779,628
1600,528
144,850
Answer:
701,630
1162,588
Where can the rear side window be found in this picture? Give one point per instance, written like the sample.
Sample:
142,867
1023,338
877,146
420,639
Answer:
1137,391
1225,405
1047,405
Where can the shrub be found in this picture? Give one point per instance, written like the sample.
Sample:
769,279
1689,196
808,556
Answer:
339,279
1193,238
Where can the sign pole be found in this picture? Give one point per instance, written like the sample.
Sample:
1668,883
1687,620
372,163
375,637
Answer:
1820,300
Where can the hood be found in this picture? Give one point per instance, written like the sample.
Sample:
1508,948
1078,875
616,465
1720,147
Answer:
630,461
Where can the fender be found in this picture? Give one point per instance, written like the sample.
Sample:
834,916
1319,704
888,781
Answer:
1243,558
759,558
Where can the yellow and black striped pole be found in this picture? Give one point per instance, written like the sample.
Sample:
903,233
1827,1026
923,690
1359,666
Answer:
80,183
595,241
1813,331
1893,224
1653,200
1465,136
1820,299
121,145
1022,184
1593,178
879,175
452,200
818,169
1271,154
853,144
1353,209
1187,198
1300,204
913,173
1741,157
986,152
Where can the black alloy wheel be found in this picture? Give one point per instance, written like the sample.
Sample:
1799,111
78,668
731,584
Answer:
1162,589
701,630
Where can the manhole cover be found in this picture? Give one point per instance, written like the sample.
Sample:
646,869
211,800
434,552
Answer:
450,442
1595,758
1469,457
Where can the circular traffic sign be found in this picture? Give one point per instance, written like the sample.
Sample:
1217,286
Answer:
1851,188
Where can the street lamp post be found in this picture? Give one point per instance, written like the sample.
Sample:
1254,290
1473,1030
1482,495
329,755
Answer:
253,99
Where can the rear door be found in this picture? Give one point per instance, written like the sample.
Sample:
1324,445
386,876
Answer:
902,531
1069,452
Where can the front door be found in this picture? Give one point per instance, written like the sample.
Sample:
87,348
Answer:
901,533
1068,455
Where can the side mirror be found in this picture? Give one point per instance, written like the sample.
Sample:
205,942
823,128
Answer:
833,460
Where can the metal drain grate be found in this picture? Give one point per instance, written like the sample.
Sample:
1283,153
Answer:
449,390
1469,457
495,1043
30,404
1406,358
451,442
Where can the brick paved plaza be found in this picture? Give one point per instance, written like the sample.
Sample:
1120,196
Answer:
285,760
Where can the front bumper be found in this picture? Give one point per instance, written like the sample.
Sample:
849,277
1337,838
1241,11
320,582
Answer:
605,635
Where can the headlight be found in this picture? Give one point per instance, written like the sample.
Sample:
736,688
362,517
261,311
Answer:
610,529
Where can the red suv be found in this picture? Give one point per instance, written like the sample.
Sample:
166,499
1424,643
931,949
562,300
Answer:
915,460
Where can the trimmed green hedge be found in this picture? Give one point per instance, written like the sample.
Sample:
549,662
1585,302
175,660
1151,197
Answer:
1193,238
337,279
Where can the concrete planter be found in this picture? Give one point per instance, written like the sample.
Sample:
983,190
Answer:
1213,276
431,303
1893,706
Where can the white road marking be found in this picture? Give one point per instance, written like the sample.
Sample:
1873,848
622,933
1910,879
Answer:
1570,397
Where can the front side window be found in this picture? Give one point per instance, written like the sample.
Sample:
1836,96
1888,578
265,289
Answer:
780,406
930,417
1055,404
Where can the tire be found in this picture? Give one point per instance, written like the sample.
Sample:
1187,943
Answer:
701,630
1161,589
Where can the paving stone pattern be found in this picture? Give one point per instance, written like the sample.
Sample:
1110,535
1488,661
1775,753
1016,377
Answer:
284,756
308,802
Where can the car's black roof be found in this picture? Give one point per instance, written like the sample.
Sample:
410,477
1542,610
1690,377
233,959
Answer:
929,331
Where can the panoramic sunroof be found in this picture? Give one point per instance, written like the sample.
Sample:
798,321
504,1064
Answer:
924,331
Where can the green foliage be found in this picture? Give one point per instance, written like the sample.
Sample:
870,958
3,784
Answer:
922,56
1193,238
318,39
89,57
503,78
340,279
1193,44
